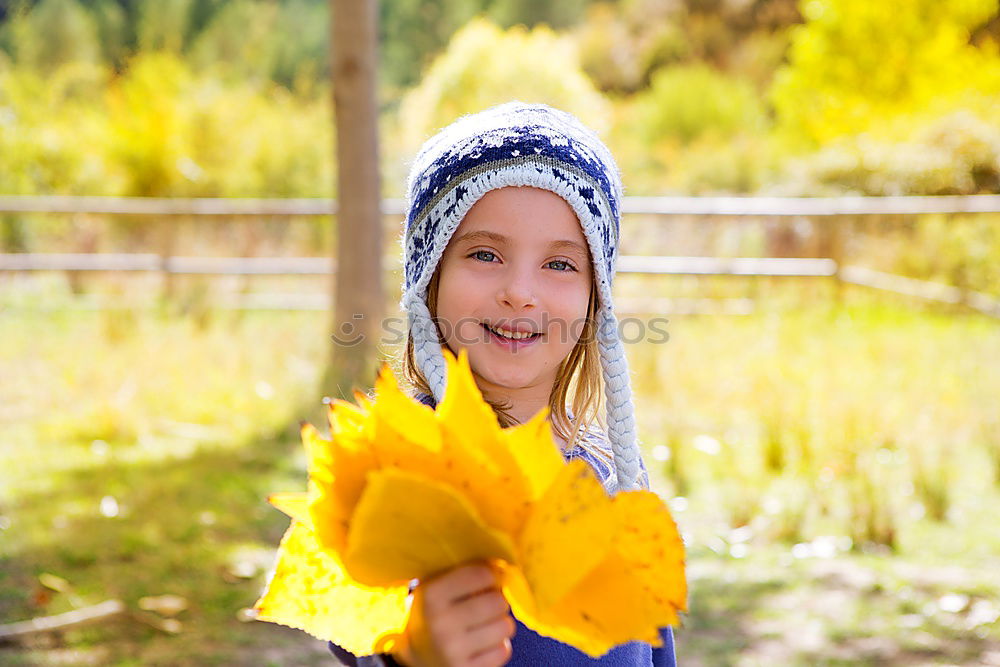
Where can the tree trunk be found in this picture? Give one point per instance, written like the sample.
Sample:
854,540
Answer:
357,283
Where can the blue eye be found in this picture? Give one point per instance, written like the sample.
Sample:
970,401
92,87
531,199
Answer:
566,266
484,255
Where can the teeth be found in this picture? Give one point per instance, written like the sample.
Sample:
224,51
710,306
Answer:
511,334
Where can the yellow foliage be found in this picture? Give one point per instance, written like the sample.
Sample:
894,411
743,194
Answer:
403,492
569,532
52,131
435,528
159,129
485,65
855,63
311,590
179,134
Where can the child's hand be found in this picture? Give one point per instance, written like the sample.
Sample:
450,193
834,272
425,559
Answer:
458,619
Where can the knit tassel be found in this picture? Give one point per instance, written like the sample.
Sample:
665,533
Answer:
426,346
618,392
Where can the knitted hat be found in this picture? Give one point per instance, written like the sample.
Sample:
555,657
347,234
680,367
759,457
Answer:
517,144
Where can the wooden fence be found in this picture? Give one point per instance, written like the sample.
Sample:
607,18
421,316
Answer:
831,209
723,206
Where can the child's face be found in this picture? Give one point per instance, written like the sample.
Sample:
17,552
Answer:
518,261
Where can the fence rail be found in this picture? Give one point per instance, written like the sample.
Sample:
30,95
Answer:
146,262
255,266
315,266
725,206
807,207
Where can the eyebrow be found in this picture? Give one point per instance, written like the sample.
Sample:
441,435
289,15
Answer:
486,235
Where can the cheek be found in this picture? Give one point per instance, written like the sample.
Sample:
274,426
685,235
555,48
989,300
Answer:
572,298
456,297
568,309
447,285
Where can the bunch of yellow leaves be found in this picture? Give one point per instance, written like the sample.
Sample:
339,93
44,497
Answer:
403,492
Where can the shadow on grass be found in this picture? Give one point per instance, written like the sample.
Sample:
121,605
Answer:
749,614
197,526
716,629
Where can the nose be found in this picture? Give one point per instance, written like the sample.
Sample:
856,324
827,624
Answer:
518,290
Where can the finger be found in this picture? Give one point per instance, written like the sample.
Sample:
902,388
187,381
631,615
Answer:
463,647
459,583
482,608
489,635
474,576
492,657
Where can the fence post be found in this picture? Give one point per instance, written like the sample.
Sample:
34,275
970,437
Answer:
166,241
837,239
84,240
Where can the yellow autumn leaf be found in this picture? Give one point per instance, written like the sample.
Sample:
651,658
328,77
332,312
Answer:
294,505
311,591
517,591
336,493
567,534
648,541
435,528
608,608
403,427
635,589
478,455
539,465
319,453
400,492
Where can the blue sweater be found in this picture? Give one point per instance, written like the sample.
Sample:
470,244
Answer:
533,650
530,649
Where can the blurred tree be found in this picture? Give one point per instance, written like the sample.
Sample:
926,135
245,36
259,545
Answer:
696,129
414,32
484,65
956,154
203,12
112,31
149,125
295,38
613,47
625,42
52,33
244,39
50,128
164,25
565,13
358,292
987,32
686,102
171,132
857,62
304,54
172,24
293,44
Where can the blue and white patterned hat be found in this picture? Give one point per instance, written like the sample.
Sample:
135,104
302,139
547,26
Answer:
517,144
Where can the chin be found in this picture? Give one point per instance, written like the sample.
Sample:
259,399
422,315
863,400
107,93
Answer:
503,379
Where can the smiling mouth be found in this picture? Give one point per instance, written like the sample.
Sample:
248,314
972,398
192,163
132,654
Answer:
510,335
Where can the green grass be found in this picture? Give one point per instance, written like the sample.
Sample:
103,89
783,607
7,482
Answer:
187,428
802,438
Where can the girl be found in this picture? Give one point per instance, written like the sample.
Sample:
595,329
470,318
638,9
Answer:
510,244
